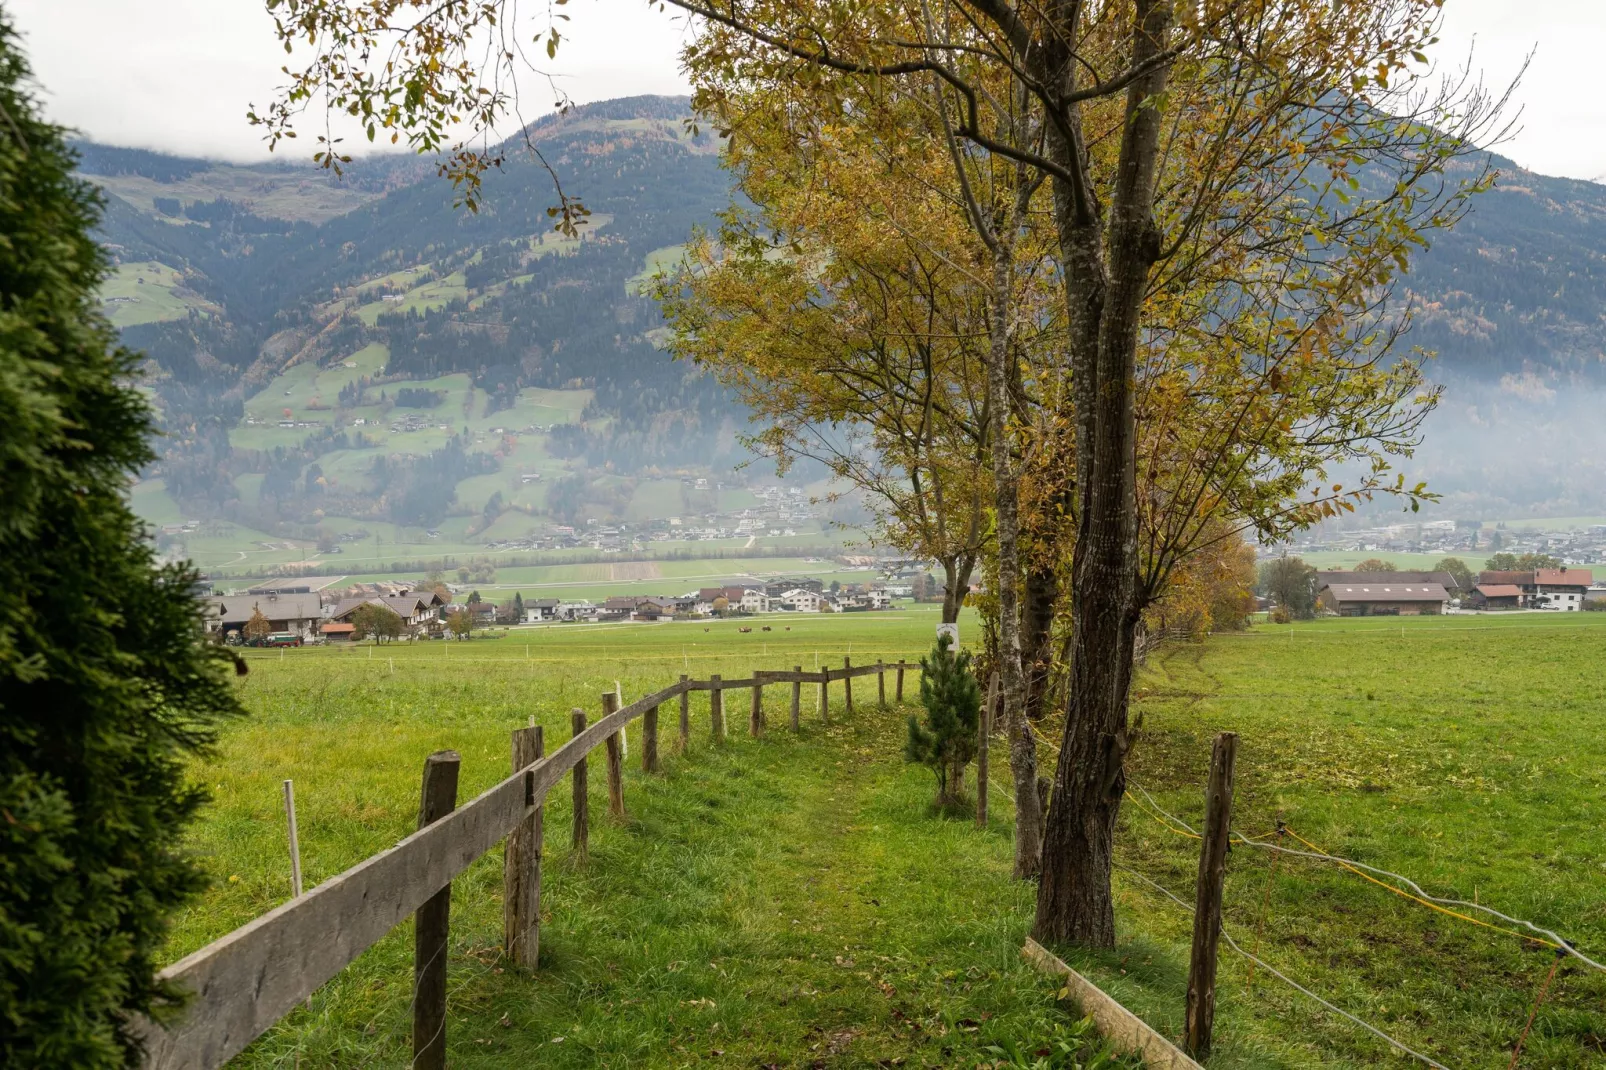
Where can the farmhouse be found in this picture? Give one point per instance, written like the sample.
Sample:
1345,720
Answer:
1384,599
1562,589
537,610
298,614
801,600
754,600
1556,589
338,631
1495,596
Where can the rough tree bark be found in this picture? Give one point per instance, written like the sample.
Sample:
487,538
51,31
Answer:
956,572
1073,900
1022,745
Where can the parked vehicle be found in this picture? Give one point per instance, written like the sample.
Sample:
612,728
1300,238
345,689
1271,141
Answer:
276,639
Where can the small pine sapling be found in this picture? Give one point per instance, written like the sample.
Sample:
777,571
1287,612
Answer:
946,742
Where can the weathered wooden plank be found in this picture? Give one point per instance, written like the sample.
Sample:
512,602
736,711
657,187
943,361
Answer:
755,717
649,741
521,864
716,708
797,698
685,714
616,761
1125,1031
1201,1000
847,683
246,981
580,790
433,922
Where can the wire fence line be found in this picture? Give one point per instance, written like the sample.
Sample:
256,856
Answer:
1541,935
1227,936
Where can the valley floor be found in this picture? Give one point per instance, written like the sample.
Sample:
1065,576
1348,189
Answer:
794,902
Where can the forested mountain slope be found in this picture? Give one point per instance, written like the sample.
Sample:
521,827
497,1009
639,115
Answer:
401,310
360,348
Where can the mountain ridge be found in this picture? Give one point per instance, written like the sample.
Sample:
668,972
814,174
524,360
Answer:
272,266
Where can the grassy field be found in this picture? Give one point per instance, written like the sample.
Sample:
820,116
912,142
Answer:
146,292
794,902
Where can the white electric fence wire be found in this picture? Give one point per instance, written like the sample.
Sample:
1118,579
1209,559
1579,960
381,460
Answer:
1289,980
1554,938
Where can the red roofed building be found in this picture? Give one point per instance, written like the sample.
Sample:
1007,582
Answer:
1495,596
1556,589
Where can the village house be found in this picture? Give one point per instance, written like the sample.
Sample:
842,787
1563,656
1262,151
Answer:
1495,596
418,610
537,610
801,600
1556,589
581,610
619,607
654,608
293,614
1384,599
754,600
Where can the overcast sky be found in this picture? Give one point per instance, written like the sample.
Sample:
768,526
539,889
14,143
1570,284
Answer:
178,75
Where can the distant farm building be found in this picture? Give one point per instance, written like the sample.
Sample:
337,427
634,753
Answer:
1384,599
1556,589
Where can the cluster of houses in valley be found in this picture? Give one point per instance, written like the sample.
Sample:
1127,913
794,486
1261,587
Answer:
300,614
1380,594
787,596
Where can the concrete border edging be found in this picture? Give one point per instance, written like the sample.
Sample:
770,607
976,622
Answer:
1125,1030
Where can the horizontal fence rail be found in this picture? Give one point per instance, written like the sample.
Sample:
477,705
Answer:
242,984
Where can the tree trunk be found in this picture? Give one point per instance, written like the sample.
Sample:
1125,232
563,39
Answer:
1022,745
1074,903
1037,627
956,572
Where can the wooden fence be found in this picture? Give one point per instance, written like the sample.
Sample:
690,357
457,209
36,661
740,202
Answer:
243,983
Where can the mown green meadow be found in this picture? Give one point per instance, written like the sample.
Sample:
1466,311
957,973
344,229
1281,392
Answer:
793,901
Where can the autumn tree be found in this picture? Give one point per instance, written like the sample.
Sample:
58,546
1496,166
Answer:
1290,584
1459,570
1376,564
376,622
460,622
257,627
1230,190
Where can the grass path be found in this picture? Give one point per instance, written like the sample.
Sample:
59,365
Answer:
786,903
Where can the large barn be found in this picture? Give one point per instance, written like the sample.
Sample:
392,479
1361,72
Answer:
1391,599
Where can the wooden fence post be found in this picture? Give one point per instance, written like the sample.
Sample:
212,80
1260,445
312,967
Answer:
649,741
983,730
579,839
847,683
521,863
685,718
716,708
900,681
881,684
755,718
616,762
432,924
1201,1009
797,700
825,695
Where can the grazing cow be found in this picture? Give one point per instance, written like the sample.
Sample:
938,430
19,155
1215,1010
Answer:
766,627
788,627
744,631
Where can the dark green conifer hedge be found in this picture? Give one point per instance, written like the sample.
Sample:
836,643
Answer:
106,686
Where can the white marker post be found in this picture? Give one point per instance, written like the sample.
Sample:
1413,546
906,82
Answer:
295,841
295,847
624,730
